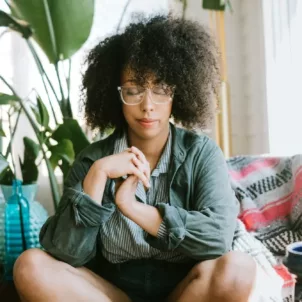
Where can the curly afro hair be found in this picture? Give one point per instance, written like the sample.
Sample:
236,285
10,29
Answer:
176,51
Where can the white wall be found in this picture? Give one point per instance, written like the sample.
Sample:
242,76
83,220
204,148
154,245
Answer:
283,44
246,72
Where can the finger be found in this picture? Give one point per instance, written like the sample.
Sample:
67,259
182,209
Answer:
142,158
141,176
148,169
139,154
141,166
144,166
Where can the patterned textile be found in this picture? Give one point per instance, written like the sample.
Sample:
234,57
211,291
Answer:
270,193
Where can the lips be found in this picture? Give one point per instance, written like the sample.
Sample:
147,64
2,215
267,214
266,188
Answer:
147,122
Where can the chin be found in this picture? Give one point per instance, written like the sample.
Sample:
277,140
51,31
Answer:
147,134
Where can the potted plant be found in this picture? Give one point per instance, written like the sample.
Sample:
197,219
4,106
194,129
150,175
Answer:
28,164
59,28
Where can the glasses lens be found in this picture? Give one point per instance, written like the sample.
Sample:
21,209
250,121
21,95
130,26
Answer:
132,94
162,94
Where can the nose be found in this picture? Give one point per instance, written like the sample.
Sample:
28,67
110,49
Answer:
147,104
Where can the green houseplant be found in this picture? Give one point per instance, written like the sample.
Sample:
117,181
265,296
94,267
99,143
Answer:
28,166
29,162
59,28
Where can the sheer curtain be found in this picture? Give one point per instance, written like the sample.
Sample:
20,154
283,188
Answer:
283,42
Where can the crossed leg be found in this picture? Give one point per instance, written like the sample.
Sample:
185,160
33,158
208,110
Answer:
40,277
229,278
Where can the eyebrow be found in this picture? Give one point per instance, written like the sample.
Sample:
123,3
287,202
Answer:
156,82
130,81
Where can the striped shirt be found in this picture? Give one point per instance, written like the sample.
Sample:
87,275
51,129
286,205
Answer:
122,239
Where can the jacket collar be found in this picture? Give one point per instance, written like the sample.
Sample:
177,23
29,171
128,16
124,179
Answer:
182,141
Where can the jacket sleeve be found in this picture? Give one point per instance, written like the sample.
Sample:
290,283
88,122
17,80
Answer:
206,231
70,235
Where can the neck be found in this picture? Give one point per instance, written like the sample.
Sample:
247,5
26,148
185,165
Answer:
152,148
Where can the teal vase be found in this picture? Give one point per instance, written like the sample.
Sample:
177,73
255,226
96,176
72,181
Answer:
21,218
16,228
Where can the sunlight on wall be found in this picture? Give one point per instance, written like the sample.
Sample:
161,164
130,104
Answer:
283,23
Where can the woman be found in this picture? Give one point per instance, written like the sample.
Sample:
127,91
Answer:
148,213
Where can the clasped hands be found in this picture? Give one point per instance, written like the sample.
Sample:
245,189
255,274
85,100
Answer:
131,162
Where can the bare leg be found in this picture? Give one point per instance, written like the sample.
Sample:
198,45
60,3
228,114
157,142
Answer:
40,277
229,278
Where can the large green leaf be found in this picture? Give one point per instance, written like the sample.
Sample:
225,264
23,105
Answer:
63,150
20,26
29,168
7,99
71,130
60,27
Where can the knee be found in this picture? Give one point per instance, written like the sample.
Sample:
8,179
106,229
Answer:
232,277
28,266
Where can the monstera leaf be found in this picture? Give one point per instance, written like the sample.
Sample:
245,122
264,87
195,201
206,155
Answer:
60,27
63,150
71,130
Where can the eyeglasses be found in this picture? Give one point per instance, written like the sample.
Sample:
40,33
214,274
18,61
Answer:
134,95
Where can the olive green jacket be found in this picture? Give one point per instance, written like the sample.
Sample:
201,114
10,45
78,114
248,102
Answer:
200,217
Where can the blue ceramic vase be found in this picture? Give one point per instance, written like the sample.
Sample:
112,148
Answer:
21,218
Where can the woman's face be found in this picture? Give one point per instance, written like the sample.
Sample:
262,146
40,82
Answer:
150,117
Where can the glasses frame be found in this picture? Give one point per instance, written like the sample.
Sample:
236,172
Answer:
119,88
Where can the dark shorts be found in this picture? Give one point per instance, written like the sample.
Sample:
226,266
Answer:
145,280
